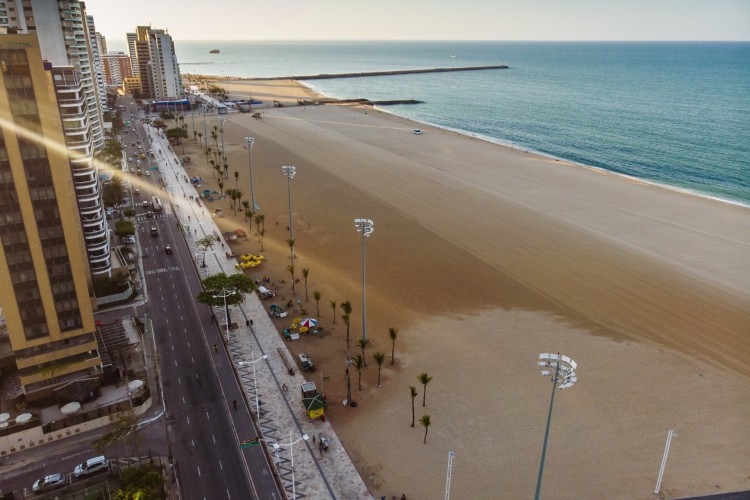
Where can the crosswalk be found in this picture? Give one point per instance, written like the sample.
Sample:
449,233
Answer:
144,218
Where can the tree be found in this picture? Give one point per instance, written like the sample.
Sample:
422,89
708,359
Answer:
260,220
261,234
290,244
393,333
220,183
347,308
195,135
316,297
124,228
414,394
176,134
362,343
220,289
140,482
424,379
123,426
333,306
359,363
425,421
158,123
111,153
290,268
305,274
237,180
204,244
379,357
200,137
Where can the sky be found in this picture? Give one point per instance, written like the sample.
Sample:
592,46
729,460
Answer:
650,20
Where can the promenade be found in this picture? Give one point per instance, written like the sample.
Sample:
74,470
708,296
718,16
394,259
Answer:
282,417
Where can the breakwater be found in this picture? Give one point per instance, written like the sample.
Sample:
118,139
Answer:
328,76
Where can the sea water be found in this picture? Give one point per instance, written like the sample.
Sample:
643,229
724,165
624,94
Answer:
672,113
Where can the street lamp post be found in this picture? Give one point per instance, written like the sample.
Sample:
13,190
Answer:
451,456
222,119
290,444
564,377
224,294
365,228
255,381
290,171
250,142
670,435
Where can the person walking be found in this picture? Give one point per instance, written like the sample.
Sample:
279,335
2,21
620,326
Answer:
216,348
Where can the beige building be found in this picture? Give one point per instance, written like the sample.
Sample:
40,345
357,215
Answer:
43,267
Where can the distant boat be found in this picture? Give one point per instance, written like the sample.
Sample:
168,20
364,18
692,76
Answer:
454,56
214,51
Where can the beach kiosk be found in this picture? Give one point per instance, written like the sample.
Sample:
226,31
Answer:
314,403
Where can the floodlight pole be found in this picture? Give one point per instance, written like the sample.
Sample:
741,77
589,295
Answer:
250,141
222,119
670,435
255,380
365,228
564,377
451,455
290,171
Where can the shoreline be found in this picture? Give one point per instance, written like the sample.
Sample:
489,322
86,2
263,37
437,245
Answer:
494,140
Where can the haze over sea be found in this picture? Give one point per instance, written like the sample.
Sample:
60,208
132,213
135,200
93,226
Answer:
671,113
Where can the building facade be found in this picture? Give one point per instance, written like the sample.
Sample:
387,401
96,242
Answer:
66,42
43,267
117,68
154,60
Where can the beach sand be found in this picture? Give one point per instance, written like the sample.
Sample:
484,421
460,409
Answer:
484,257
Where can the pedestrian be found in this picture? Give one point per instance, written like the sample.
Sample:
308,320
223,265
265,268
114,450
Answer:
247,322
251,322
320,448
216,348
313,438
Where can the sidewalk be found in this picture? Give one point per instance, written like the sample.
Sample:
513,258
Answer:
329,474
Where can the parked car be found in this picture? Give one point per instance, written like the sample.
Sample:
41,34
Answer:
91,466
50,482
129,239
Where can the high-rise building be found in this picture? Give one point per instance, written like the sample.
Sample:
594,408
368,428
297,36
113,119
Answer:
154,60
65,41
116,68
43,266
96,54
101,41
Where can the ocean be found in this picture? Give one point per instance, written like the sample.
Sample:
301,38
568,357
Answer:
675,114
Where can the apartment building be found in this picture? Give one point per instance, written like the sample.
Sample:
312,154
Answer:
154,60
98,69
117,68
65,37
43,267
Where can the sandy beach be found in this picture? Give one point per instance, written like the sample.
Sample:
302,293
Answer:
483,257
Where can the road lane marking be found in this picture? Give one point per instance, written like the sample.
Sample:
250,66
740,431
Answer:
214,438
175,362
192,441
183,399
186,418
199,472
179,380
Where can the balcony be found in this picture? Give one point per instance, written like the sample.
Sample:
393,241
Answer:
98,251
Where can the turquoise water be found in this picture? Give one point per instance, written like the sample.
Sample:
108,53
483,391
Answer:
671,113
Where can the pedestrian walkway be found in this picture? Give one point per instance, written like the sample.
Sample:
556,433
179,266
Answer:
317,474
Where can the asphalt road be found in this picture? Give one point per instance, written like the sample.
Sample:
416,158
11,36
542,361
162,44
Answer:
199,384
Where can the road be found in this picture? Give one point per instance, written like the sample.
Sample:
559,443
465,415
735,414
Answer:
199,384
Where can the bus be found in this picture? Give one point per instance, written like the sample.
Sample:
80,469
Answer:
156,204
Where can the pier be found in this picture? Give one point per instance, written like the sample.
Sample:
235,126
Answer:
329,76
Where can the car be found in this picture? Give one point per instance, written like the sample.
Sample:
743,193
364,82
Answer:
149,214
128,239
145,204
50,482
148,173
132,170
91,466
154,231
417,131
137,192
125,201
130,158
249,257
168,250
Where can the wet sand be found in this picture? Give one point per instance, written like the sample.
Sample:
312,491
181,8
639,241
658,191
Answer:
483,257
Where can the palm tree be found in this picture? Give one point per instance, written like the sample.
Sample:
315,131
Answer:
359,363
290,243
413,395
379,357
425,421
316,296
221,187
424,379
362,343
305,274
261,234
347,308
195,135
260,220
200,137
236,180
290,268
248,213
333,306
393,333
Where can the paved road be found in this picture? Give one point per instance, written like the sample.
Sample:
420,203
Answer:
199,384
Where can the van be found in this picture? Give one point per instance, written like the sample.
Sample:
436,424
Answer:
91,466
265,293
